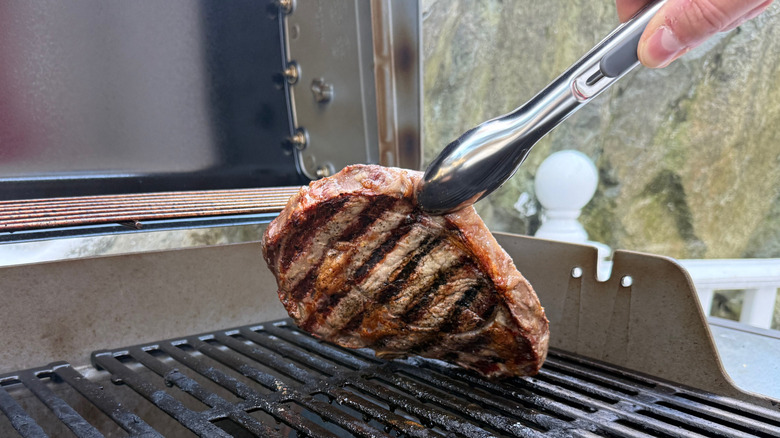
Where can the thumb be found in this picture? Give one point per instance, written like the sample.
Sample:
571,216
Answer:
681,25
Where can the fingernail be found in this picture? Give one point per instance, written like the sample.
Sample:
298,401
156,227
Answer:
662,48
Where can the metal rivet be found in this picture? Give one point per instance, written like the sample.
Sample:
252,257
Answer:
295,31
324,170
299,140
626,281
292,72
286,6
323,91
576,272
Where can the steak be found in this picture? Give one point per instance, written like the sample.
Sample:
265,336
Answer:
358,263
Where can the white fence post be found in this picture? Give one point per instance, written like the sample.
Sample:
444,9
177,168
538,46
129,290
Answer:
705,297
565,182
759,278
758,307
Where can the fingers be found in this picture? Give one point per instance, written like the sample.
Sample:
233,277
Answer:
681,25
627,8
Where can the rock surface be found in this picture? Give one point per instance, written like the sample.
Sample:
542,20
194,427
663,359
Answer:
689,156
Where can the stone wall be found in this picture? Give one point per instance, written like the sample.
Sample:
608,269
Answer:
689,156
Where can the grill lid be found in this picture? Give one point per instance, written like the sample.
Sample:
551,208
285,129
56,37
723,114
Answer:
198,99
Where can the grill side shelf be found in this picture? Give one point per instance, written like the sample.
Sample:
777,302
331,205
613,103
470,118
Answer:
274,380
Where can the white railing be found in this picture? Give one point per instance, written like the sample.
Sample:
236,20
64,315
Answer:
758,278
566,181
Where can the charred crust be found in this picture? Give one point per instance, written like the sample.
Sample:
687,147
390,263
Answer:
306,226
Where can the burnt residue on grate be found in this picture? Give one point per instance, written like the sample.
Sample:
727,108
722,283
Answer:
274,380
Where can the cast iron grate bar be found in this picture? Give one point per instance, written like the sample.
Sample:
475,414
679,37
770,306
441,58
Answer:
20,420
61,373
173,377
151,390
61,409
273,380
95,393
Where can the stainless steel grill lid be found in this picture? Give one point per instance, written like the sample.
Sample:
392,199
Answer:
205,95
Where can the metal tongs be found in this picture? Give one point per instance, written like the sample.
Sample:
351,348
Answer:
483,158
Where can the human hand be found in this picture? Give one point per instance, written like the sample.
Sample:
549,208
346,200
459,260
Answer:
681,25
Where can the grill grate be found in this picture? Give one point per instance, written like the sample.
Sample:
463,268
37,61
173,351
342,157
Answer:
29,214
274,380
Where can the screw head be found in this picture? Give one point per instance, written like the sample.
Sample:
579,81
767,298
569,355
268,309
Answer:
299,140
323,91
324,170
292,73
286,6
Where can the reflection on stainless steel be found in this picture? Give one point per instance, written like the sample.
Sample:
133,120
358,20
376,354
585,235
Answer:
398,71
339,54
483,158
86,88
107,96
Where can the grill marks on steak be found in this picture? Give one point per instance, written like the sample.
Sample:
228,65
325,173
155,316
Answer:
358,266
358,263
382,283
317,240
399,267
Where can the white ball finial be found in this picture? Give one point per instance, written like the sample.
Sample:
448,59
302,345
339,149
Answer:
566,180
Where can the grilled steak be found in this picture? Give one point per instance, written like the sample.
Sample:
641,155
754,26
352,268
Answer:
358,263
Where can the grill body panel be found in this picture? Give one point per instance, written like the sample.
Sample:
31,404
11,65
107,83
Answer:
274,380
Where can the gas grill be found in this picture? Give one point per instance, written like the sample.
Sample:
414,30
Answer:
646,367
81,356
